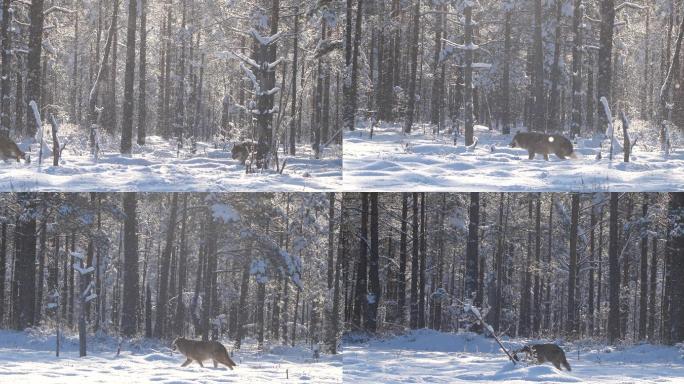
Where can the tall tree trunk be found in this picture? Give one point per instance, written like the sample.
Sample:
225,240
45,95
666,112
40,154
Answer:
468,75
182,271
401,279
25,263
554,116
592,254
352,63
577,64
436,101
652,324
129,77
415,29
539,120
413,314
244,288
361,304
334,319
374,289
33,61
41,270
3,270
506,77
613,273
142,76
423,264
5,81
643,280
160,329
471,262
524,320
293,106
537,263
109,120
129,319
573,323
605,56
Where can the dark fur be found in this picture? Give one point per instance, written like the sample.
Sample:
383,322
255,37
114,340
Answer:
543,144
545,353
242,150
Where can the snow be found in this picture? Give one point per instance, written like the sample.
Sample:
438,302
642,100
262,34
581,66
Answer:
31,359
156,167
224,212
426,356
393,161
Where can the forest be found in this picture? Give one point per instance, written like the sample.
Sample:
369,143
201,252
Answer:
247,268
605,266
546,64
583,270
452,81
89,80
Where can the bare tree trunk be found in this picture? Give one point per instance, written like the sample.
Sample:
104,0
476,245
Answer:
142,76
614,273
605,56
361,304
472,248
129,319
129,77
413,314
415,32
402,259
374,289
539,120
577,58
506,78
572,327
5,81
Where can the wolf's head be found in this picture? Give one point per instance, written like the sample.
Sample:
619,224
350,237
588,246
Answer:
178,340
237,151
514,142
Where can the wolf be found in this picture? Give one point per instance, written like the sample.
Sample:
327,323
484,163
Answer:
203,350
242,150
544,144
545,352
10,150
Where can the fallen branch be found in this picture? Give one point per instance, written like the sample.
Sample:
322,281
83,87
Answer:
470,308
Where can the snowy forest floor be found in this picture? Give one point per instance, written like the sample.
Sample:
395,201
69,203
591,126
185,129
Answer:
157,167
392,161
30,358
426,356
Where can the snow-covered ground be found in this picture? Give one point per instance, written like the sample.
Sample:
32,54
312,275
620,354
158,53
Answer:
426,356
392,161
31,359
158,167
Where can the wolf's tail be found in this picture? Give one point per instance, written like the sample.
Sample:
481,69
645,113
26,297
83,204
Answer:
565,363
227,360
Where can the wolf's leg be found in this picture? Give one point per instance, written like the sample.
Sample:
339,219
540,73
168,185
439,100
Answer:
531,155
188,361
215,363
546,156
560,156
556,363
200,363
